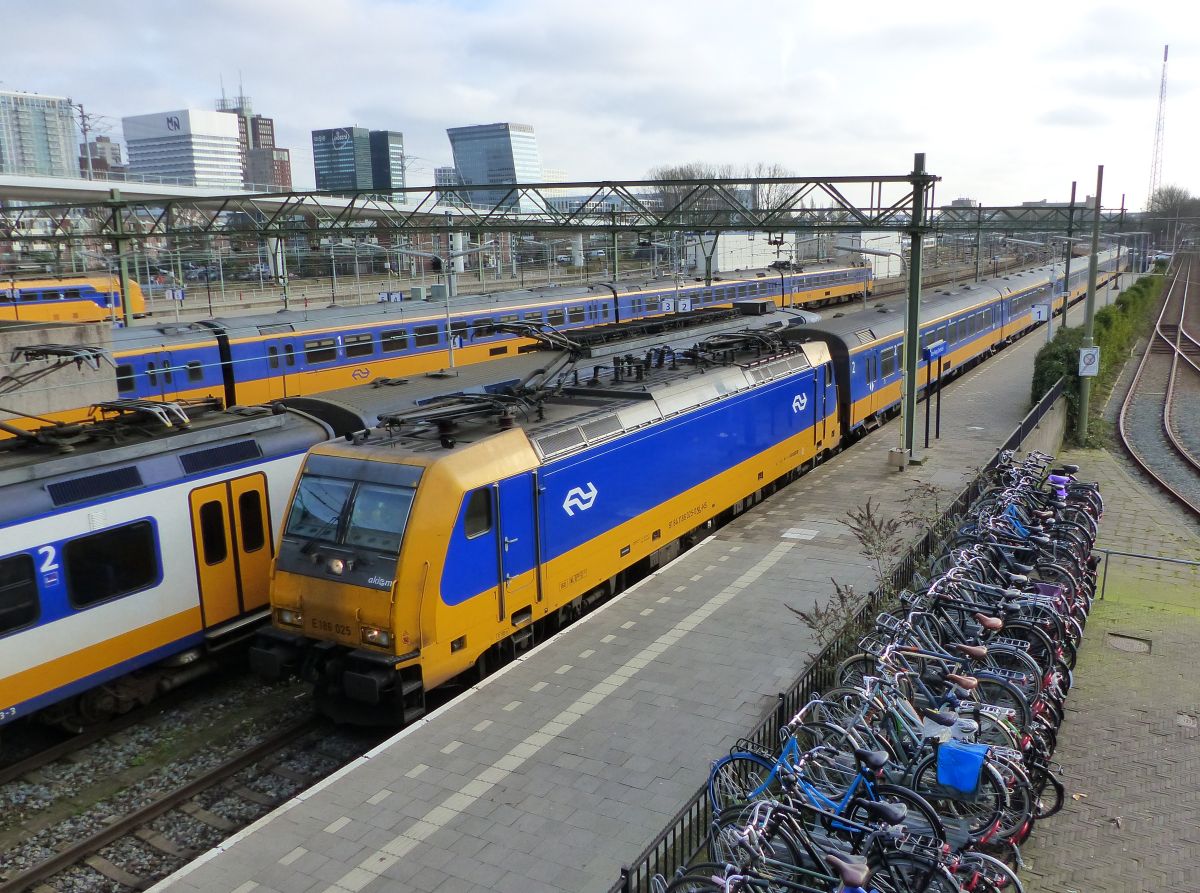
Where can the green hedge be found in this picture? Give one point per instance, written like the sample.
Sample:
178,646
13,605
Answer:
1117,327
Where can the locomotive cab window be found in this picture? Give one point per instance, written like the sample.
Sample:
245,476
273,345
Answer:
18,592
378,517
95,573
478,520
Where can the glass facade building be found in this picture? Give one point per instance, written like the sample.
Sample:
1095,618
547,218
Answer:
387,160
37,135
496,153
342,159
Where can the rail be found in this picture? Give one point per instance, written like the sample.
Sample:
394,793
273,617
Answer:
684,837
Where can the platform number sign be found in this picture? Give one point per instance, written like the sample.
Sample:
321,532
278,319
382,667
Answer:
1089,361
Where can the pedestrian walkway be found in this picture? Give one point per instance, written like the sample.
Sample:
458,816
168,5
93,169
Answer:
557,770
1130,746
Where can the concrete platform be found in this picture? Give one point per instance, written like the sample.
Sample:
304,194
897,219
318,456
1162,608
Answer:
555,771
1130,746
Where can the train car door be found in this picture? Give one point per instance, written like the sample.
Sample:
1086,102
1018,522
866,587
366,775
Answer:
517,532
231,535
273,378
819,417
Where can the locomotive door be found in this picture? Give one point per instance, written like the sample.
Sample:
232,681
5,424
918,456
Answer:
232,542
819,416
517,531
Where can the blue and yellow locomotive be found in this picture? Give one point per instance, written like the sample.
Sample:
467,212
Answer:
452,536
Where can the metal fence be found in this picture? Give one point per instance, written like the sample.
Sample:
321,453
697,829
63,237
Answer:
684,837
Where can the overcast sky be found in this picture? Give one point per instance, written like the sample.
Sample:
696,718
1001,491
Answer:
1009,101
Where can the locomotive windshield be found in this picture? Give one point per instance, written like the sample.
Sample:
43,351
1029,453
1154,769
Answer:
352,514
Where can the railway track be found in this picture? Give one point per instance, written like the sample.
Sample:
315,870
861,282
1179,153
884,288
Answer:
1159,421
131,850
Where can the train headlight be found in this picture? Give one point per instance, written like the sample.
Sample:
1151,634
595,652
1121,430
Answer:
289,617
336,566
373,635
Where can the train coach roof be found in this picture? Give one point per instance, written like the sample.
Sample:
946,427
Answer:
38,478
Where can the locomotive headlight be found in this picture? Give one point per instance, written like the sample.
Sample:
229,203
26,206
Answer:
373,635
289,617
336,566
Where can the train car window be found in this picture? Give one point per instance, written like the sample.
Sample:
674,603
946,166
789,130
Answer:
652,305
254,531
604,308
482,327
393,340
18,592
273,357
533,316
195,372
555,317
28,294
320,350
212,532
361,345
167,371
289,355
509,318
741,291
888,362
635,306
458,331
576,314
92,574
124,378
5,296
478,519
425,336
151,373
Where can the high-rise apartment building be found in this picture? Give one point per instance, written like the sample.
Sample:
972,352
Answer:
387,160
192,146
264,164
37,135
101,158
354,159
445,177
495,153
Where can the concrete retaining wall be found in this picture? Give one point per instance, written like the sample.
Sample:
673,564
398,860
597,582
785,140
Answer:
1047,435
63,389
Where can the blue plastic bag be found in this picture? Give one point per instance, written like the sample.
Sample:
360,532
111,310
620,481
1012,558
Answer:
960,764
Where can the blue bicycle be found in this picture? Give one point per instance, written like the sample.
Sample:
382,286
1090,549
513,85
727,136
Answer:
839,780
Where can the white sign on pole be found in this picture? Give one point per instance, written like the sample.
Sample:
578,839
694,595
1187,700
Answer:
1041,312
1089,361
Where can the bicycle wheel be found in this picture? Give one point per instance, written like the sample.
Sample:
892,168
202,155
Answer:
1003,694
972,814
697,883
981,873
899,872
776,857
740,777
852,670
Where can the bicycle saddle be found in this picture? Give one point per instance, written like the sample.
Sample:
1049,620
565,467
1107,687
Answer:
888,813
942,719
1065,469
1020,568
975,652
1018,579
872,759
969,683
853,874
995,624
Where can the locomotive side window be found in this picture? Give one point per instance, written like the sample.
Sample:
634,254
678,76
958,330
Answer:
94,572
479,513
250,510
393,340
212,532
18,592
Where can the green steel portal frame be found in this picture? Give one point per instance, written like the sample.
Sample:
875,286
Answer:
902,203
